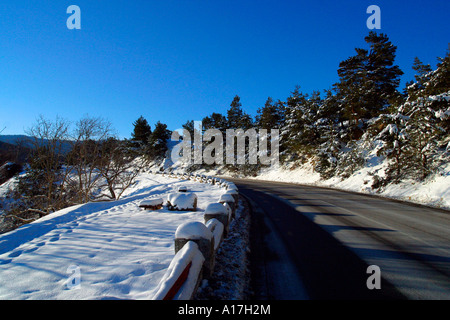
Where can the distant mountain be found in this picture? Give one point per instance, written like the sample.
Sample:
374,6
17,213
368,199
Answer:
15,139
29,142
13,153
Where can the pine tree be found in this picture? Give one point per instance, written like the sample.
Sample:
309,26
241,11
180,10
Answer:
271,116
329,141
141,132
368,81
416,89
384,75
300,134
236,117
215,121
157,146
440,79
293,126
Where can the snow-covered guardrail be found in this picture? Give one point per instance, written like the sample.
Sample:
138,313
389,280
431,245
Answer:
182,278
196,244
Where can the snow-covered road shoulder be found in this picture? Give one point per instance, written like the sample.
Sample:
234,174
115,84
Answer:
103,250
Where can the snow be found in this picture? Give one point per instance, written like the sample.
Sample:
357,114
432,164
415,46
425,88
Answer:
216,208
189,253
216,228
151,202
182,201
232,191
226,198
231,277
193,230
119,250
434,191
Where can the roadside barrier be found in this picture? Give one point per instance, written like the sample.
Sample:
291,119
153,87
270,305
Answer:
196,243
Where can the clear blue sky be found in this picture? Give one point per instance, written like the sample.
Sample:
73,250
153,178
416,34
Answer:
179,60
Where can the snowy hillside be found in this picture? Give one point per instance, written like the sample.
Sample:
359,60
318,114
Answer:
434,191
116,249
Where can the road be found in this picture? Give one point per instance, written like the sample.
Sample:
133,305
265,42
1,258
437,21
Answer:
317,243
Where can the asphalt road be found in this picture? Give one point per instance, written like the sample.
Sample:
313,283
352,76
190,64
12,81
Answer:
317,243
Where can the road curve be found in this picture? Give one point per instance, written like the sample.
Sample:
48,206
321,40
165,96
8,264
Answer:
316,243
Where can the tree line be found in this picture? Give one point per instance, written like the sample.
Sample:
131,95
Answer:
363,114
365,111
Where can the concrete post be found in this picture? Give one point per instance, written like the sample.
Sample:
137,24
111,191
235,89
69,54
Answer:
200,234
228,198
234,193
219,212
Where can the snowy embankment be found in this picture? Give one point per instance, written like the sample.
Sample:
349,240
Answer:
434,191
102,250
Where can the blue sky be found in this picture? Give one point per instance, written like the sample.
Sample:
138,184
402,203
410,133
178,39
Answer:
179,60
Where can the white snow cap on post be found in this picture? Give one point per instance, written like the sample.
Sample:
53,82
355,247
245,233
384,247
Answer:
231,191
226,197
193,230
231,186
216,208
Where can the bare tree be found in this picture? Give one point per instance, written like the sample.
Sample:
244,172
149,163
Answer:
38,192
47,155
85,156
117,168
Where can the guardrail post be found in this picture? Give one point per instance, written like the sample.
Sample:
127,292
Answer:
229,199
200,234
234,193
219,212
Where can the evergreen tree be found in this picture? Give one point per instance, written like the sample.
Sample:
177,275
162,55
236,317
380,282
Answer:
293,126
215,121
157,146
416,89
353,85
271,116
369,80
422,71
236,117
300,134
440,79
141,132
384,75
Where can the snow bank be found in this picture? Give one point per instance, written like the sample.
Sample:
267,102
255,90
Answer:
434,191
120,250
